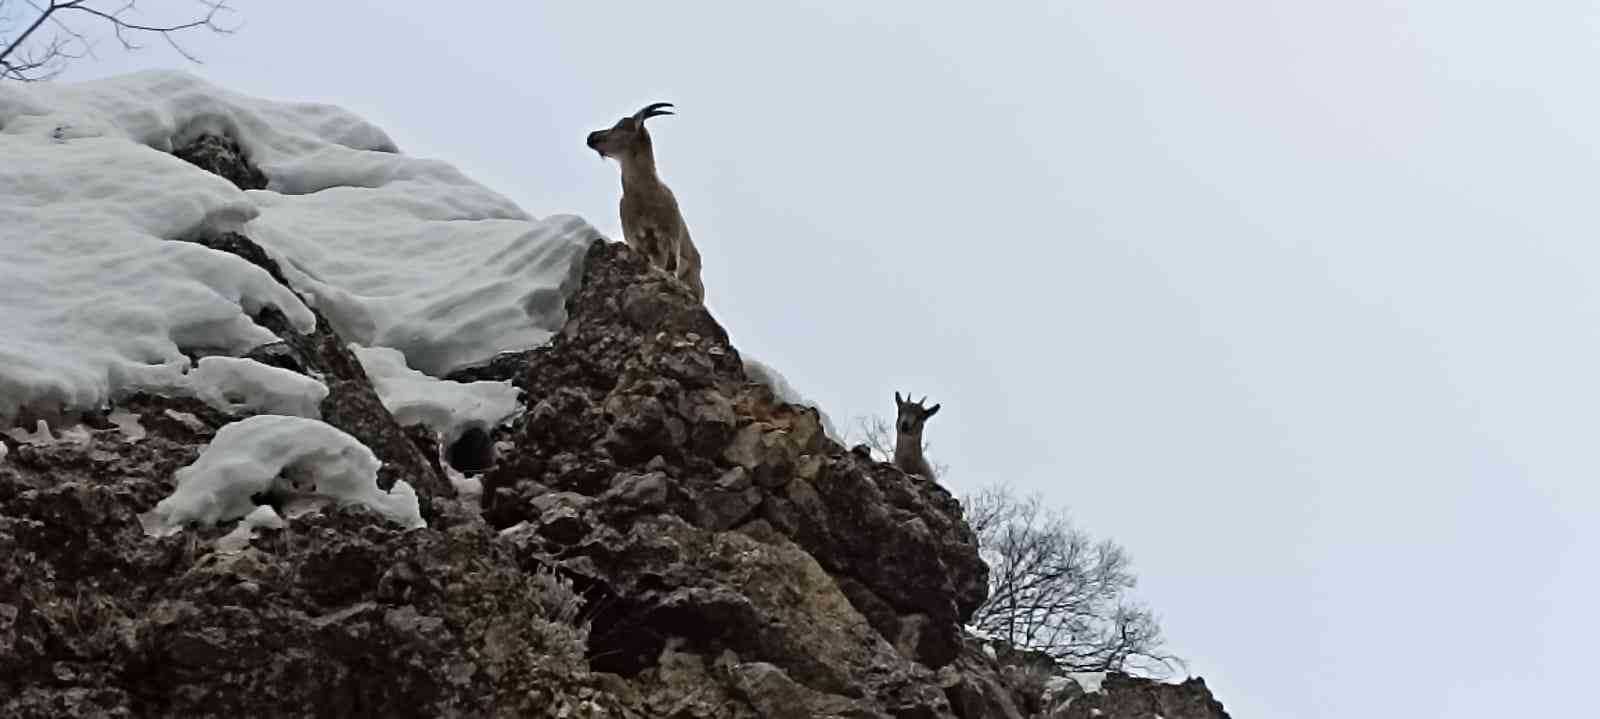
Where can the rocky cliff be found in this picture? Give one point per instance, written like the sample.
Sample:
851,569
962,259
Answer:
656,536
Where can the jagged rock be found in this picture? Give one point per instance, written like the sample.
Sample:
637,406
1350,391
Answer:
340,614
643,370
221,155
733,561
1123,697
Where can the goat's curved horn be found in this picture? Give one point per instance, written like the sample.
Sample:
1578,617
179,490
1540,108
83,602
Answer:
653,110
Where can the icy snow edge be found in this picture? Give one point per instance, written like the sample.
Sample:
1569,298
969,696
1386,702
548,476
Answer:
284,455
447,408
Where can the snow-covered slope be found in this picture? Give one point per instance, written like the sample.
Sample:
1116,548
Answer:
97,300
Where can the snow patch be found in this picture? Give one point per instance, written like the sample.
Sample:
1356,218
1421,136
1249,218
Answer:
129,424
260,517
42,434
277,453
981,634
760,372
1089,681
234,384
448,408
439,276
101,298
468,489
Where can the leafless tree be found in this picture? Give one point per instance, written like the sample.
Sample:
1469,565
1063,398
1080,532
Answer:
1054,590
39,38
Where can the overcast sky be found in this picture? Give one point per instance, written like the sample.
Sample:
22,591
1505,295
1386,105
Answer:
1297,301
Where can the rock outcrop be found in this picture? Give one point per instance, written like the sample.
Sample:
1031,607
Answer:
658,536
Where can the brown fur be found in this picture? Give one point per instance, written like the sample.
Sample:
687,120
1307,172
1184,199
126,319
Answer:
651,221
908,425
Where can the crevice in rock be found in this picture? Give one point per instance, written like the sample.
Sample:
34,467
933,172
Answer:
222,156
472,452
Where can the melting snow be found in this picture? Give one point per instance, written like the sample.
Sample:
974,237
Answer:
1089,681
239,538
100,300
233,384
278,453
448,408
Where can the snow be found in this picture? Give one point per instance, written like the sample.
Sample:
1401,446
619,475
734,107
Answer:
42,434
101,300
448,274
467,488
448,408
247,457
260,517
1089,681
97,300
977,633
129,423
785,392
232,384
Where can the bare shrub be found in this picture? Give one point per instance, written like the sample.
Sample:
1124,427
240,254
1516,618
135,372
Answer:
1054,590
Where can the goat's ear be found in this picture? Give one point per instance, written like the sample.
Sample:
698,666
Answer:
931,411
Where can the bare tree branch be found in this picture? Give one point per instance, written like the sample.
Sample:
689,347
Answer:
30,57
1054,591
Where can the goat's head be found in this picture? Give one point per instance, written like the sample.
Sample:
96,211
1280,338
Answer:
628,135
911,417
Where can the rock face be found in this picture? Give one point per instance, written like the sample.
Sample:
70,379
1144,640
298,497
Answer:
1123,696
708,513
658,536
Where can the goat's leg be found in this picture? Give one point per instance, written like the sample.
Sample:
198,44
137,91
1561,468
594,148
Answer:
669,257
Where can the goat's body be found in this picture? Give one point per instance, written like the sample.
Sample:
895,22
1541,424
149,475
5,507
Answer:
908,457
654,227
911,418
651,221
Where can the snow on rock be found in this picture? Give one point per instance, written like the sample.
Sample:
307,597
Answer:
260,517
448,408
759,371
233,384
1089,681
97,299
283,454
434,270
100,299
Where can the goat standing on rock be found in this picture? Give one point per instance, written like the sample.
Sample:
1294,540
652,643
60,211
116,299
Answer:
908,436
651,222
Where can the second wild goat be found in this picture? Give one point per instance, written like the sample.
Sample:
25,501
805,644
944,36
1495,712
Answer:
651,222
908,436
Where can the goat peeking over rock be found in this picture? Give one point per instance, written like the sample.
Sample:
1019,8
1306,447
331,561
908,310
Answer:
908,436
651,222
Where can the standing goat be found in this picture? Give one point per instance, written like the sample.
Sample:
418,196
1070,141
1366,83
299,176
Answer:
651,223
908,436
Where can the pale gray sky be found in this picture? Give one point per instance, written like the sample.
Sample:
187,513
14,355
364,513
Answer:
1297,301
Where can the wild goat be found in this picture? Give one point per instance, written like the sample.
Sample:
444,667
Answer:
908,436
651,222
